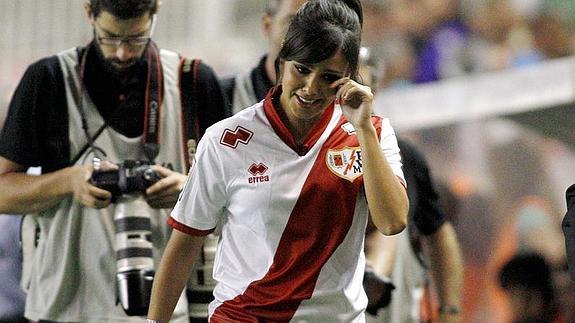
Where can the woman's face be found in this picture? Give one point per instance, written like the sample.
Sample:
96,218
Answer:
306,90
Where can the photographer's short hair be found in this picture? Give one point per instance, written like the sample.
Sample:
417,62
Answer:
124,9
321,28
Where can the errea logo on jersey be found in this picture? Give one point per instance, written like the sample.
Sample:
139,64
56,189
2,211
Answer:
258,171
345,163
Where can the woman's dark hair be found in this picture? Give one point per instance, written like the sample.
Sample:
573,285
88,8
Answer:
124,9
321,28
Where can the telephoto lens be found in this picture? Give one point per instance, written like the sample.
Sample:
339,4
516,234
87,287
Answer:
134,255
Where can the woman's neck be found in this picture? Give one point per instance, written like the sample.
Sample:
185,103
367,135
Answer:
299,128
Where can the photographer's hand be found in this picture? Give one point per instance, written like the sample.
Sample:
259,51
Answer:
86,193
164,193
35,193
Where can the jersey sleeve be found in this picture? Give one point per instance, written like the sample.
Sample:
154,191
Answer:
390,148
203,198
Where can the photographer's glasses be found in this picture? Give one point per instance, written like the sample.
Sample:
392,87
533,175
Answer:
130,41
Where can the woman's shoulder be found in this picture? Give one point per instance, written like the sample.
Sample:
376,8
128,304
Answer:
246,118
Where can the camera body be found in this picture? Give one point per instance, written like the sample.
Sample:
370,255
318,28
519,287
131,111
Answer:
132,176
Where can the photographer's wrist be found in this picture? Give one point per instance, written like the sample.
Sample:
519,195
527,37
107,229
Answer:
74,177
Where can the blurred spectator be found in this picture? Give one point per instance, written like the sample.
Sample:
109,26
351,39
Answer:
378,21
12,298
552,36
538,230
429,40
564,8
398,62
500,36
526,280
441,47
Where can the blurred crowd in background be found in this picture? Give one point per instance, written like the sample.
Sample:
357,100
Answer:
428,40
505,177
506,181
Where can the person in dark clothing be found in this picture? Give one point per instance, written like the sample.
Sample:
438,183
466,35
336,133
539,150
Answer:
251,87
80,112
527,281
427,250
568,226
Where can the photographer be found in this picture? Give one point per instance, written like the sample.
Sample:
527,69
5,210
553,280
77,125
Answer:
117,99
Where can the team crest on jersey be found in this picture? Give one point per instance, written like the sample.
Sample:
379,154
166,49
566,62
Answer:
345,163
232,138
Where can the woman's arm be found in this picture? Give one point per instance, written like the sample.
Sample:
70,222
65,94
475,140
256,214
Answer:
386,196
173,274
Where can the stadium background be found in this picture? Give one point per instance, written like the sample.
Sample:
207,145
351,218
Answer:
495,120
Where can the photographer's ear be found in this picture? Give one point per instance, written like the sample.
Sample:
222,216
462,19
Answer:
266,24
89,12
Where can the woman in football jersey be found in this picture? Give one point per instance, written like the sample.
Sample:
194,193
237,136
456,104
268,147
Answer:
291,182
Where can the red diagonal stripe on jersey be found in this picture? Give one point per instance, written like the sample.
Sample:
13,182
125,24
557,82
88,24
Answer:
317,225
232,138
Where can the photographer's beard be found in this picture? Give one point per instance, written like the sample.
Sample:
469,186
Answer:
121,70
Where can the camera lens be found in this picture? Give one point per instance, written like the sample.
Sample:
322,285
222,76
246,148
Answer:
134,255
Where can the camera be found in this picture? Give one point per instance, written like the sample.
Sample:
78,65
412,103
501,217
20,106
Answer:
131,176
133,231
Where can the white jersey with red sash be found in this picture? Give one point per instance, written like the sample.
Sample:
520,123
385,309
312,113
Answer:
293,218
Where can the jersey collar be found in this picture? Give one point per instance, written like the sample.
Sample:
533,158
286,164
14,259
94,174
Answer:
271,106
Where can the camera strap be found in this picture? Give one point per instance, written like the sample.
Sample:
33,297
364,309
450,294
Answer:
152,106
153,103
189,94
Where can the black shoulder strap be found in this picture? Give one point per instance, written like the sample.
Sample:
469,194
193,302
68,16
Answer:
189,94
228,85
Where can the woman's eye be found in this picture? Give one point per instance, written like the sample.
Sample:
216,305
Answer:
301,69
330,78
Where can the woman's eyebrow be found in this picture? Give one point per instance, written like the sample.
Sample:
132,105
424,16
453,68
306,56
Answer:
333,72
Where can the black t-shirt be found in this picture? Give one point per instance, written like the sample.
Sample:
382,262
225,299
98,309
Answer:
36,132
425,212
